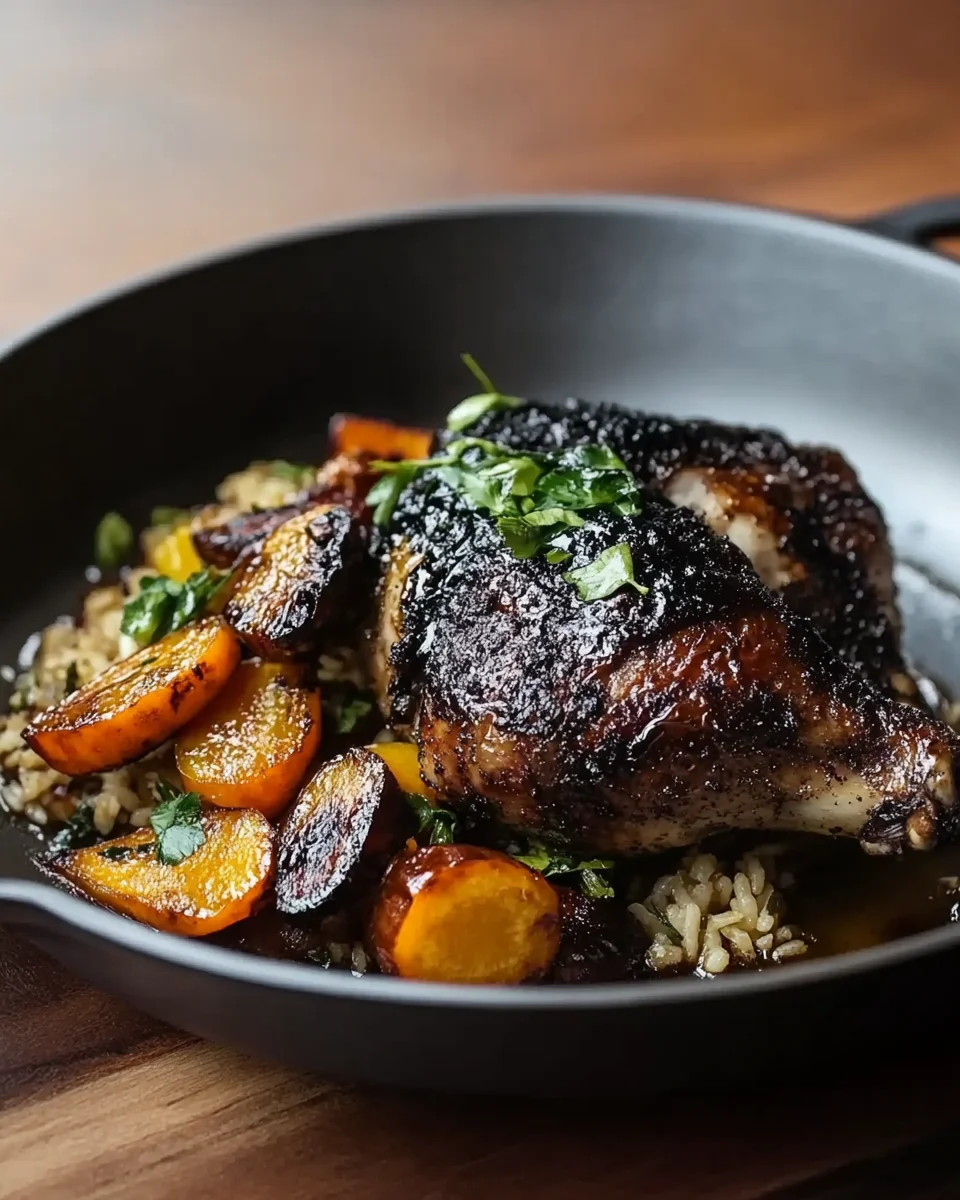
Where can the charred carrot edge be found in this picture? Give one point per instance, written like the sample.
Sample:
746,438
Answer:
138,703
222,882
464,914
234,754
353,434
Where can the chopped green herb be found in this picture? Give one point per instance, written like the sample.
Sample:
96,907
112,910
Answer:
437,825
299,473
164,516
548,862
609,571
112,541
79,831
474,407
345,706
71,679
177,822
164,605
534,498
594,885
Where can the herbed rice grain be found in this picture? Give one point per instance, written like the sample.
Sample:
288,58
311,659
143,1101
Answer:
706,918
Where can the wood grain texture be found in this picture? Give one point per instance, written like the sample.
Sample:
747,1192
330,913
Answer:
133,134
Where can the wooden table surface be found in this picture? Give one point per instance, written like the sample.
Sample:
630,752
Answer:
133,134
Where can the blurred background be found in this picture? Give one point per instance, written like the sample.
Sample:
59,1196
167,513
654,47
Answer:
136,132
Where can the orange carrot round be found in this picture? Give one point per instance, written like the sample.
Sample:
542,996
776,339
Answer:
464,914
403,759
251,747
135,705
352,434
220,883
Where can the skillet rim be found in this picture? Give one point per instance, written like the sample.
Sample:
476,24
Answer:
45,903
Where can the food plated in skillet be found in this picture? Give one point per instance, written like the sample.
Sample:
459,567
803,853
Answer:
561,692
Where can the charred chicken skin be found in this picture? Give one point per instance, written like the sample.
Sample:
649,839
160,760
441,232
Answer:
718,698
798,512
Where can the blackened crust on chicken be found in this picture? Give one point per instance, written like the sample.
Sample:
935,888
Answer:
828,528
635,723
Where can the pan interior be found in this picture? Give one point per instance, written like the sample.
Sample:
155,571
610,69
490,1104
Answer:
153,397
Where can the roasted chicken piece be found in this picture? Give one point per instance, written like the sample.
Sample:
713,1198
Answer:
798,512
643,721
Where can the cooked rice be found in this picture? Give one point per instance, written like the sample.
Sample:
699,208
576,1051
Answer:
259,486
703,918
29,787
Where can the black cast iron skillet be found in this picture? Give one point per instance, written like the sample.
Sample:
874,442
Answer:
832,333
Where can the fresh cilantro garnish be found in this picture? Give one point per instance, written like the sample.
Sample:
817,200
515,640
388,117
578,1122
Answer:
79,831
548,862
299,473
71,679
346,706
163,605
165,516
112,541
438,826
177,821
535,499
474,407
609,571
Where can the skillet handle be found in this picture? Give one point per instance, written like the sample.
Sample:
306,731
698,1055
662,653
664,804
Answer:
917,224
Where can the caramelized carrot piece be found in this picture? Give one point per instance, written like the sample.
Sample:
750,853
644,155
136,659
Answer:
351,434
135,705
464,914
302,577
219,883
403,759
349,812
174,554
251,746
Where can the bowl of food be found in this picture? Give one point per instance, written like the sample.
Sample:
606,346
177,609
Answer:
372,718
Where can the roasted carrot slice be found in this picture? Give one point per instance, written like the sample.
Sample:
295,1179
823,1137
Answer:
137,703
403,759
174,554
351,434
219,883
464,914
350,810
299,580
251,746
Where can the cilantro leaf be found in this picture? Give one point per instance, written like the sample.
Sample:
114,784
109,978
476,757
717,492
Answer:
346,706
469,411
523,540
594,885
79,830
112,541
437,825
164,605
540,857
553,516
177,822
608,572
